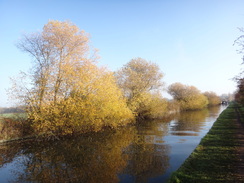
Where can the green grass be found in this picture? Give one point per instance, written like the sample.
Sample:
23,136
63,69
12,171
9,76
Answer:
13,115
214,158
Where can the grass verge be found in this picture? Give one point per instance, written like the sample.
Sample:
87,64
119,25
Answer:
13,115
214,158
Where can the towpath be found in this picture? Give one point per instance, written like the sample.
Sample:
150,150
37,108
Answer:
239,122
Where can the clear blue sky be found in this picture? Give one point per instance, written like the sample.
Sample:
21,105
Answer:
191,40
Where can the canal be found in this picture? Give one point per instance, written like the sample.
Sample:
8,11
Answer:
147,152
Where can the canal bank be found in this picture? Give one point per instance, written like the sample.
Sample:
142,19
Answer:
147,152
219,156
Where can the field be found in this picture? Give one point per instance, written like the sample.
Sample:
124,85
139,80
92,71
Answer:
12,115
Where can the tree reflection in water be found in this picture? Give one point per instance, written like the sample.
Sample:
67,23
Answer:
148,155
139,153
93,158
189,121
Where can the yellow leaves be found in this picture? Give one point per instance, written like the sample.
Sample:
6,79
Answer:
139,79
189,97
139,76
194,102
213,99
70,94
66,38
94,102
148,105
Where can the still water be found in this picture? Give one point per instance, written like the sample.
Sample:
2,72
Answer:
148,152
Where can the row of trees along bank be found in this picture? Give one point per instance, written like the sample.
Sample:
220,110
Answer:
239,95
67,93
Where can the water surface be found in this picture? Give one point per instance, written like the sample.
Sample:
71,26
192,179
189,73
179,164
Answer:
148,152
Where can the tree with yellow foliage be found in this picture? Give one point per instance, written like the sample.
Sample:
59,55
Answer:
188,97
213,98
68,93
140,81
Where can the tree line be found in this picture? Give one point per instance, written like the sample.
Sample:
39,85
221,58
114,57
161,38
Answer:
239,94
67,93
11,110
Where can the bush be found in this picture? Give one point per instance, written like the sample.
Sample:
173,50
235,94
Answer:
14,128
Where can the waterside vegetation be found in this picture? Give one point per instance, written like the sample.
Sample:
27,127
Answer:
67,93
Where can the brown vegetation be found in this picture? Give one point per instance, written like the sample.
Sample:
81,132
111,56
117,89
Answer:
14,128
213,99
239,95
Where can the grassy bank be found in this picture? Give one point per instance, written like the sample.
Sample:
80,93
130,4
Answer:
214,158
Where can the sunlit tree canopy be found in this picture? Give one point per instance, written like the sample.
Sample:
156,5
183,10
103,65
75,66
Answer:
67,92
188,97
141,81
213,98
